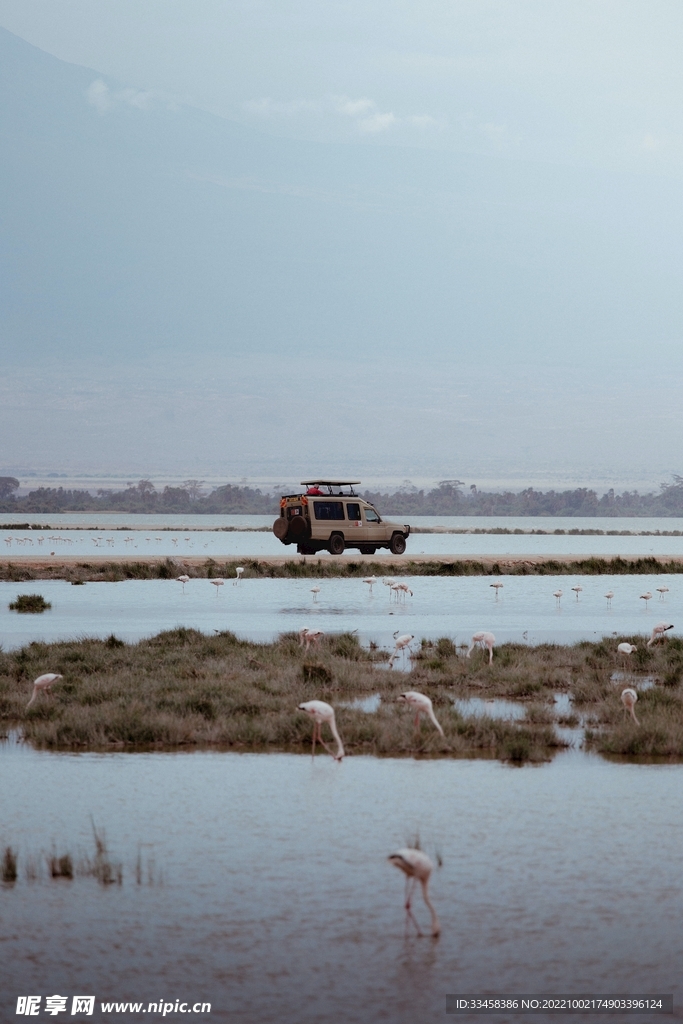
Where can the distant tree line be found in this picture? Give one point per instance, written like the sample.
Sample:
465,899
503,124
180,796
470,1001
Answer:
449,498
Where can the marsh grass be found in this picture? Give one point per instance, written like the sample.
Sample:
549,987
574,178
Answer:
33,603
184,689
9,866
318,568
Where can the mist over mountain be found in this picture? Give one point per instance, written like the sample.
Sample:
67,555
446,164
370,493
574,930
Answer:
163,269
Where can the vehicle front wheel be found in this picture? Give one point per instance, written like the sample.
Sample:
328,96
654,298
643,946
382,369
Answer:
398,544
336,545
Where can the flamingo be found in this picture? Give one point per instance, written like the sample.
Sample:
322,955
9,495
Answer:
315,591
321,712
659,631
405,589
310,636
647,596
417,867
628,699
660,590
422,705
577,590
402,642
371,580
238,575
217,583
558,597
609,595
482,639
496,587
626,649
184,579
43,684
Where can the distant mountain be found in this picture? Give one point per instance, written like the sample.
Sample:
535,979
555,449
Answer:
131,226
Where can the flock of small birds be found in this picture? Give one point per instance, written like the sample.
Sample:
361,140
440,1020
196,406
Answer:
414,863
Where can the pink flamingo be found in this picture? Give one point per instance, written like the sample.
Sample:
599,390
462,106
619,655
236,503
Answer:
402,643
417,867
43,684
422,705
310,636
321,712
628,699
483,640
659,631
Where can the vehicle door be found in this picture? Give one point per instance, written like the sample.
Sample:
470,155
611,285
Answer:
374,526
356,528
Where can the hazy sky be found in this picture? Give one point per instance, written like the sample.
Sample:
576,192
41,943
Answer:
494,294
592,82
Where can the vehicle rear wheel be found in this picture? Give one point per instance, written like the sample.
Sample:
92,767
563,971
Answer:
398,544
367,549
336,545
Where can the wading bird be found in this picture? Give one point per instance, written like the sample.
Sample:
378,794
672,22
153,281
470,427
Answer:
371,580
659,631
310,636
217,583
647,596
238,575
417,867
626,649
660,590
402,643
577,590
421,705
321,712
496,587
609,595
184,579
628,699
558,597
315,591
484,640
43,684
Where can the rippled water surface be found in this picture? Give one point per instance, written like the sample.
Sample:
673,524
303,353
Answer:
261,609
278,903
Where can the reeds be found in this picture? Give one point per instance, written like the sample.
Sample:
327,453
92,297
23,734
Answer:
33,603
312,567
182,688
9,866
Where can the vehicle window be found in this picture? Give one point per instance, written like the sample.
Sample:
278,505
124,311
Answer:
371,516
353,510
329,509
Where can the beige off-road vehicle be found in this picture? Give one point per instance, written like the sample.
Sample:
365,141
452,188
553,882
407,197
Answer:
329,518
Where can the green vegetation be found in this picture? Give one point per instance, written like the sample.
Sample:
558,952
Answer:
447,499
317,568
29,603
182,688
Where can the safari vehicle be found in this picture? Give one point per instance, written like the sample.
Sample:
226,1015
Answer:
328,517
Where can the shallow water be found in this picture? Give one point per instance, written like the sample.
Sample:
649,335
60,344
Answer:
243,543
261,609
278,904
477,707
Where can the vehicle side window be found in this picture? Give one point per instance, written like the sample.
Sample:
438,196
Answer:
371,516
329,509
353,510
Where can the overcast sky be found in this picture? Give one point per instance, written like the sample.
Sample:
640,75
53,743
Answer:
596,82
593,356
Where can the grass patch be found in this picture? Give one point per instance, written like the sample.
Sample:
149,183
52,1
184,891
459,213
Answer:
29,603
184,689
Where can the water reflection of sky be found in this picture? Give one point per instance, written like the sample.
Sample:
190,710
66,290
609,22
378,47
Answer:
260,609
278,904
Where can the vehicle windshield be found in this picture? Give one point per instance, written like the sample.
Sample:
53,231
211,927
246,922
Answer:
371,516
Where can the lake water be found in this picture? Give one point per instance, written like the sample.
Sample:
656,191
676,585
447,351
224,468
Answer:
133,536
278,903
261,609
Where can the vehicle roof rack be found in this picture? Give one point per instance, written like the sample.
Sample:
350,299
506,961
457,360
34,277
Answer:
333,486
